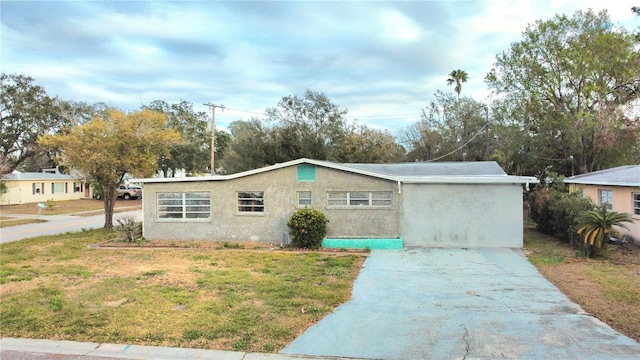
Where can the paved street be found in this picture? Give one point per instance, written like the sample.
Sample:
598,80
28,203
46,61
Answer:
57,224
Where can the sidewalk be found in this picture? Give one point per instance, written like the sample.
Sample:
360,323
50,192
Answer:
14,348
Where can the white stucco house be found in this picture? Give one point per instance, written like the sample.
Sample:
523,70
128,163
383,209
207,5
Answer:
466,204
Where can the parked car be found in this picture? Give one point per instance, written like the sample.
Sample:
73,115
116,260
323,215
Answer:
129,192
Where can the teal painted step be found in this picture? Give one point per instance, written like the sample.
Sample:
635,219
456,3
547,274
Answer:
363,243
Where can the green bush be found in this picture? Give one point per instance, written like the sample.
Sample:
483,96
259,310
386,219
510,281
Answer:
555,211
307,228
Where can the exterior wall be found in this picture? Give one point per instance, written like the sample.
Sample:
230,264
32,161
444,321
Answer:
461,215
21,191
280,189
622,202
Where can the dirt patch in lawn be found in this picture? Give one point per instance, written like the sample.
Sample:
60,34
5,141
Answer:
607,287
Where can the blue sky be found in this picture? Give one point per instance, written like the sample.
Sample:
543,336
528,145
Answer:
380,60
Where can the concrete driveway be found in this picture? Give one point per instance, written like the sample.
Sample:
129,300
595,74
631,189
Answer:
440,303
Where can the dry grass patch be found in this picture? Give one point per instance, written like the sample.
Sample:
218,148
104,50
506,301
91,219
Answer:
217,298
607,287
6,221
68,207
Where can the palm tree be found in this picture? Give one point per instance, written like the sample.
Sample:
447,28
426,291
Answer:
597,227
458,77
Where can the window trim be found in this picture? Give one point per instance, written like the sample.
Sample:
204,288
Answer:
355,202
635,198
183,199
253,206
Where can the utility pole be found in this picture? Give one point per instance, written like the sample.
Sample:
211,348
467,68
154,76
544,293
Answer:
213,132
486,132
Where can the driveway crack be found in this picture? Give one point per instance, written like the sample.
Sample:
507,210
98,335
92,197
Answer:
465,339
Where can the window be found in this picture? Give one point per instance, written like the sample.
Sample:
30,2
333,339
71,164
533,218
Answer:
359,198
251,201
191,205
37,189
606,197
77,187
636,203
306,173
304,198
57,188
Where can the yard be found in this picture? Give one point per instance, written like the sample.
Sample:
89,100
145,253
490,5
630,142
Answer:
219,298
77,207
238,297
607,288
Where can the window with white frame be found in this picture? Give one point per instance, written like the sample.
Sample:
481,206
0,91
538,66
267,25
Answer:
304,198
250,201
57,187
636,203
606,198
184,205
359,198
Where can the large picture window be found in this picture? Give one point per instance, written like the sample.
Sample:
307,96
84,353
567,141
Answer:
58,187
359,198
187,205
250,202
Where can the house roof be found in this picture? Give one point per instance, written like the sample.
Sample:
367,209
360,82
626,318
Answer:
488,172
36,176
628,175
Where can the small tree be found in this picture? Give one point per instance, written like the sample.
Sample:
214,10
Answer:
110,146
597,226
307,227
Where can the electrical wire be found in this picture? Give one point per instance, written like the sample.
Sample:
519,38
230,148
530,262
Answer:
461,146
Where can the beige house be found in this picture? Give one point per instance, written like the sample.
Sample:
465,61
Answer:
434,204
617,188
29,187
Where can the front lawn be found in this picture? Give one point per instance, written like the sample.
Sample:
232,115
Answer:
55,287
607,287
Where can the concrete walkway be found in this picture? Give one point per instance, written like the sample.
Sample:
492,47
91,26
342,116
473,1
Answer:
435,303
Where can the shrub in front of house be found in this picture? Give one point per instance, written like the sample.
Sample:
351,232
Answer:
307,228
555,211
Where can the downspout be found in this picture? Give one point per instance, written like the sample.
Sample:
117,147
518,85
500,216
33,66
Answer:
399,187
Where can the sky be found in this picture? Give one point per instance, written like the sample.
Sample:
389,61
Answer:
380,60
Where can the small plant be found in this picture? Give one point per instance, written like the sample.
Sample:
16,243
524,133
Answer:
597,226
51,204
131,230
307,228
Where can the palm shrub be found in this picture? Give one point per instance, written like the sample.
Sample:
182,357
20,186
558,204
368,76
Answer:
597,226
307,228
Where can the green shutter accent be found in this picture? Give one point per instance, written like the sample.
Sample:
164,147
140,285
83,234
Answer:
306,173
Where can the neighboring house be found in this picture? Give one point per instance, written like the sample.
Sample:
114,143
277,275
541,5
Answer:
434,204
617,188
31,187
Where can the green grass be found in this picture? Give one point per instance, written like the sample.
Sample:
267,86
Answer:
56,287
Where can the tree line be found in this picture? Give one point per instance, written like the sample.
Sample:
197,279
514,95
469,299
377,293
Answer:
565,98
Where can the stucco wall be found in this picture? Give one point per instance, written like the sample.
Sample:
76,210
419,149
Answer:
622,202
21,191
461,215
280,194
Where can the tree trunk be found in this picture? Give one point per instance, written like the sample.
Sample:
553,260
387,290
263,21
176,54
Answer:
110,196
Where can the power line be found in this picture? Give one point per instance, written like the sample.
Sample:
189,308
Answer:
461,146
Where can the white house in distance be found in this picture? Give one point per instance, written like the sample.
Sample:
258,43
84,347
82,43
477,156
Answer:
423,203
34,187
617,188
